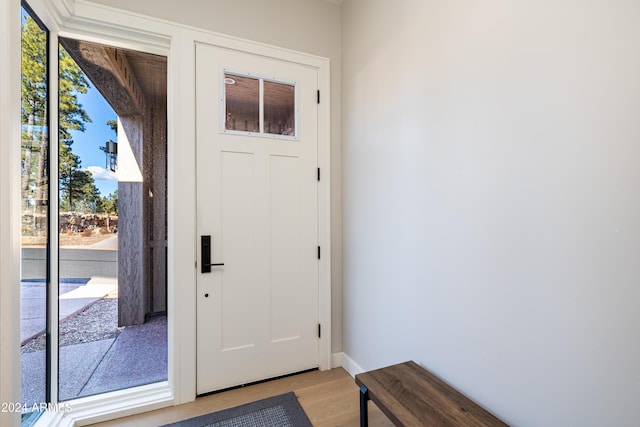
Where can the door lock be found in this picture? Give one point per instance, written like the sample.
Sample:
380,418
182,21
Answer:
205,253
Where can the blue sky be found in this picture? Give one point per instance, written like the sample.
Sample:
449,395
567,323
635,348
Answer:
87,144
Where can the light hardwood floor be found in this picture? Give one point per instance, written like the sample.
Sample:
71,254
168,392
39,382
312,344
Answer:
329,398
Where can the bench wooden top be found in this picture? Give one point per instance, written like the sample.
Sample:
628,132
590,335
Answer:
412,396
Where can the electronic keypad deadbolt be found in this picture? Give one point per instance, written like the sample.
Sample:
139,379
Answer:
205,254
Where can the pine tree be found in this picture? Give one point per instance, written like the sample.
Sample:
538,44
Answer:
34,111
78,191
76,185
110,203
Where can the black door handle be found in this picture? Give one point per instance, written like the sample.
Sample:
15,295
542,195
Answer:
205,253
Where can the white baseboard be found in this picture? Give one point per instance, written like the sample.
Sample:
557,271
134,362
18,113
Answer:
343,360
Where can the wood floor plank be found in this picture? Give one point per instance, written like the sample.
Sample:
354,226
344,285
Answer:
325,390
328,408
329,398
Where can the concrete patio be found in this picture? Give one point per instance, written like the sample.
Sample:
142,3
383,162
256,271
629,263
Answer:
75,295
137,356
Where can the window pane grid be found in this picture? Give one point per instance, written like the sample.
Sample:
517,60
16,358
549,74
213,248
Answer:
258,105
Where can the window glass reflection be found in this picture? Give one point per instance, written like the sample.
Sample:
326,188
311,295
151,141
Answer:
279,108
242,103
34,210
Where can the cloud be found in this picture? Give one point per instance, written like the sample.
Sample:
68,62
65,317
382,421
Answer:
100,173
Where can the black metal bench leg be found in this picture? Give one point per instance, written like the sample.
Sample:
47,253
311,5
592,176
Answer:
364,413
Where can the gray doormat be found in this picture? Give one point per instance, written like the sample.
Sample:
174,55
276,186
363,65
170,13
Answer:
277,411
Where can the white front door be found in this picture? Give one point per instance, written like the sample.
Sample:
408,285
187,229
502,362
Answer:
257,138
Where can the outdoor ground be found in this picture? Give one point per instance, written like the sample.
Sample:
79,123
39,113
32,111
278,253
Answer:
87,332
98,320
95,355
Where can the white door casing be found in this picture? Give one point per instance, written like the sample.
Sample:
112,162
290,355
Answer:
257,197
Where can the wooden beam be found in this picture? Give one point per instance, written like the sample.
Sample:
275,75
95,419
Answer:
125,75
110,73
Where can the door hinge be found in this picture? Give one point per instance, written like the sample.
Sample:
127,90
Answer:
319,330
318,96
318,174
318,252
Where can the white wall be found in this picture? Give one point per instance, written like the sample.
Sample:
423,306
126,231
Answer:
491,198
309,26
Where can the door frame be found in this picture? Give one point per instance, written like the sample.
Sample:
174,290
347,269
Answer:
322,65
119,28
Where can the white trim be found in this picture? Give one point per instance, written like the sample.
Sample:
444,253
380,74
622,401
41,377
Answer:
108,406
181,207
324,210
257,48
118,28
10,209
350,365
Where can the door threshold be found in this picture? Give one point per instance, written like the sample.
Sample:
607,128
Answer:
209,393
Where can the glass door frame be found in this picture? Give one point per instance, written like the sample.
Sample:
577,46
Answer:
51,246
86,408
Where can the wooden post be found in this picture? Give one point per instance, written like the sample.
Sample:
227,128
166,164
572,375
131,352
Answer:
157,243
132,295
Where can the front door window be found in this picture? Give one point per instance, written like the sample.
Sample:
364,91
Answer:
258,106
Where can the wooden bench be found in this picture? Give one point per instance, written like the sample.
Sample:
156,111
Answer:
409,395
